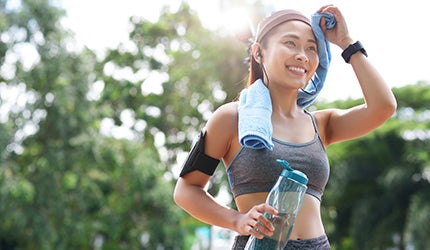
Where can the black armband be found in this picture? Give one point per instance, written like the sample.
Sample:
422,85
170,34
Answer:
198,160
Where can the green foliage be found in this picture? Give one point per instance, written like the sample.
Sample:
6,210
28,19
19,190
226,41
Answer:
186,57
414,96
377,182
417,228
67,185
68,181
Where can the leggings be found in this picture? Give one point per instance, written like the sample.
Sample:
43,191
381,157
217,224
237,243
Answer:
320,243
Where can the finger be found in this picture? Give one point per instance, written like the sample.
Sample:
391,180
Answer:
265,226
324,8
258,225
323,23
267,208
260,231
252,229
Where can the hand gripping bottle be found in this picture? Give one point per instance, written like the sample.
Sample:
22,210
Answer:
286,196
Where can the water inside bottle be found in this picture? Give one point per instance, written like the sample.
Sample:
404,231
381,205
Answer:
279,239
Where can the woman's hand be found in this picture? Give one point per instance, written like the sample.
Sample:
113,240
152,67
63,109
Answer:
255,223
380,103
339,35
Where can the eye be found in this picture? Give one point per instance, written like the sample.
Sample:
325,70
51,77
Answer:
290,43
313,48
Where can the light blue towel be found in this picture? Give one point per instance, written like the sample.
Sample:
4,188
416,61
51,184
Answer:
255,112
307,96
255,105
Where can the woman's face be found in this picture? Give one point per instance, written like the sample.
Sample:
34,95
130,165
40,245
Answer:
290,54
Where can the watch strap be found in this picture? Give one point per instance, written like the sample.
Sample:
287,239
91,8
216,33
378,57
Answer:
352,49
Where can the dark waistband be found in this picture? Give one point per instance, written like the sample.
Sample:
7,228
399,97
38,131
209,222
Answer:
306,244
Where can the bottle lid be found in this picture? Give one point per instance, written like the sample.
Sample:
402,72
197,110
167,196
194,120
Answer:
291,173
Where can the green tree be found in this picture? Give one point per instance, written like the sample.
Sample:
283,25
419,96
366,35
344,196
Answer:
180,77
64,183
69,180
175,80
379,183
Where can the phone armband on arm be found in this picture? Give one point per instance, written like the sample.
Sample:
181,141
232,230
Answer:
198,160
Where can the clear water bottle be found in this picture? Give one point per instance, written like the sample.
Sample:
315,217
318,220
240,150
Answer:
286,196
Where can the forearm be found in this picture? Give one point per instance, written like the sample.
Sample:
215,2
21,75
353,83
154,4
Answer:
202,206
379,106
379,99
377,94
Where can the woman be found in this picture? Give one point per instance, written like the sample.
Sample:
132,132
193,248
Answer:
285,58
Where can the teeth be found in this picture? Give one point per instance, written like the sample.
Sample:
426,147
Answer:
297,69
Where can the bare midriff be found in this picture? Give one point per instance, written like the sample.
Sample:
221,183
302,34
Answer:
308,222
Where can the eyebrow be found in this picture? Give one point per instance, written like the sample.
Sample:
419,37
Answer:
297,38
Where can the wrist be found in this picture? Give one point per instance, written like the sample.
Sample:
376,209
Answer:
352,49
345,43
237,223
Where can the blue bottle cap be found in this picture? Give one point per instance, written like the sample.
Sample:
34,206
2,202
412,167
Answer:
291,173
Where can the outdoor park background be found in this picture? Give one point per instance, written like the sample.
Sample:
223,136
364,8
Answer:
92,137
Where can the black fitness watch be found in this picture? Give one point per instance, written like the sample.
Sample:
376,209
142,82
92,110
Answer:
352,49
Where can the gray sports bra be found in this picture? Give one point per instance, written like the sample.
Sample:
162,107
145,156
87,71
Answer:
254,170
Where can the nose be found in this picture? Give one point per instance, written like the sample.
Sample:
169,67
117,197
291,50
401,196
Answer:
301,56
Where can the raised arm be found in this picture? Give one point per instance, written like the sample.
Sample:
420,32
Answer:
380,103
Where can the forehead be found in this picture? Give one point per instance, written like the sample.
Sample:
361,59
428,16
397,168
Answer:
294,27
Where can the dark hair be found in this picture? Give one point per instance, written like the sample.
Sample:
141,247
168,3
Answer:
255,71
265,28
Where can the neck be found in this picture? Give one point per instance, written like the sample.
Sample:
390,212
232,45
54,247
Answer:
284,103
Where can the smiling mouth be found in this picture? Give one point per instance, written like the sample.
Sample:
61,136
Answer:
297,69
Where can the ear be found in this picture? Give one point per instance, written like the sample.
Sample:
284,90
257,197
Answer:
257,53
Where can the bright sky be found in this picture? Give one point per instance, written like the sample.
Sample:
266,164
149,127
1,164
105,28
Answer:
392,32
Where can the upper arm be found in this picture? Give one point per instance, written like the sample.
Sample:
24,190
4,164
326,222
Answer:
345,124
220,130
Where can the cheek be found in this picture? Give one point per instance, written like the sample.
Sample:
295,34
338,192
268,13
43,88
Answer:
314,62
274,58
314,59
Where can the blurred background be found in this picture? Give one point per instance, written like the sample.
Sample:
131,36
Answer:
100,101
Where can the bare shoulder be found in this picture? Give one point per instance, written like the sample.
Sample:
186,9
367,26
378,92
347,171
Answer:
230,107
221,130
226,113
